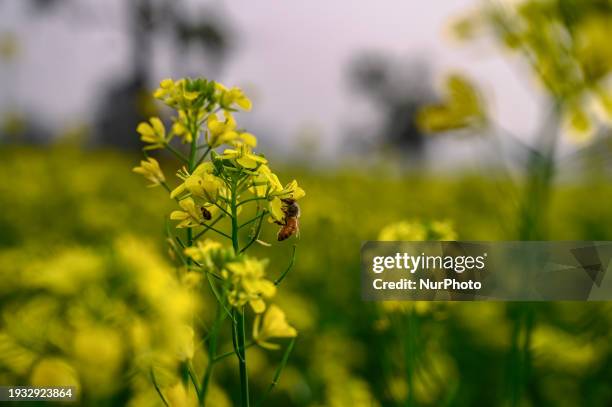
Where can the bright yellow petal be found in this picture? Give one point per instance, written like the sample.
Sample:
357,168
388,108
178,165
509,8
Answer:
177,191
258,305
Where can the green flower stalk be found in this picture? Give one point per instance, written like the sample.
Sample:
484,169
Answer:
225,188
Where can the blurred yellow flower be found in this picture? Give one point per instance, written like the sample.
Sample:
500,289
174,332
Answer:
416,230
442,230
186,346
203,251
578,123
180,396
54,371
462,108
404,230
273,324
151,170
99,353
564,352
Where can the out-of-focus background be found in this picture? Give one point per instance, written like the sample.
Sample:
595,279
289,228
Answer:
338,90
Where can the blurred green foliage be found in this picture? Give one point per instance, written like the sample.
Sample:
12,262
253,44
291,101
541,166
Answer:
565,44
60,204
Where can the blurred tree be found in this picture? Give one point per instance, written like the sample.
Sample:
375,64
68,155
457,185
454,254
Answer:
398,91
126,102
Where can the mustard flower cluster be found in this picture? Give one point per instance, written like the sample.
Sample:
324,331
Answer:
570,58
98,322
225,188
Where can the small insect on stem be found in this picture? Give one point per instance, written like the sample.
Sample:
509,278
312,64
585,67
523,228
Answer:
290,224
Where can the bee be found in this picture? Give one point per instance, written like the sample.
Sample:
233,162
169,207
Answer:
206,214
290,224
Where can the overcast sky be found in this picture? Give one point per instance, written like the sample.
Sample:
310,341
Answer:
292,55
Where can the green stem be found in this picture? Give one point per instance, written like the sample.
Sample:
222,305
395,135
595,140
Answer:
207,227
193,378
221,208
194,149
288,269
257,198
248,222
231,352
234,216
255,235
157,389
212,350
240,342
410,354
278,372
177,153
239,314
166,187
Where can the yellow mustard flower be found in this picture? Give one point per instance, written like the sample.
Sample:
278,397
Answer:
151,170
172,93
248,284
265,180
273,324
225,132
190,216
165,88
201,183
244,157
463,108
275,204
229,97
203,251
291,190
153,133
275,208
180,127
221,132
244,138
